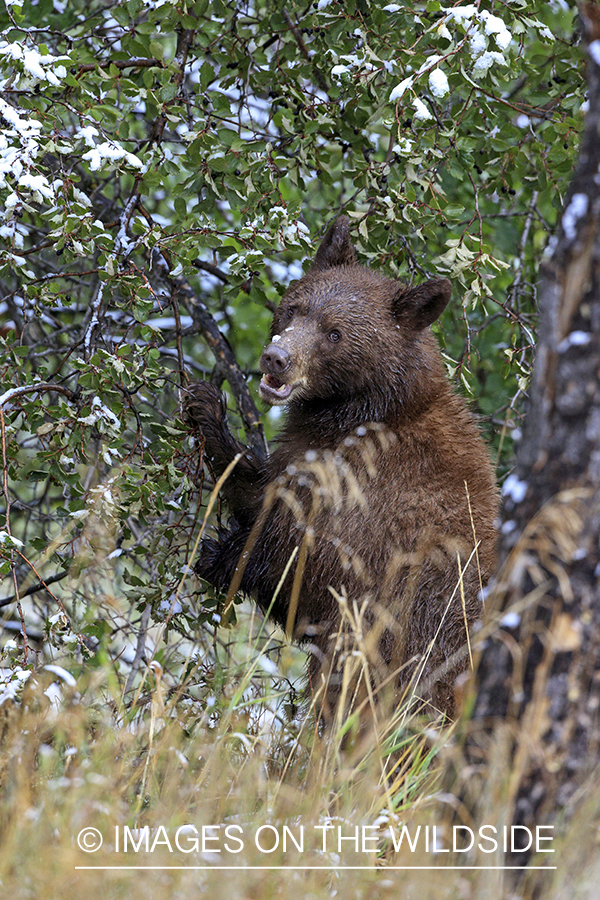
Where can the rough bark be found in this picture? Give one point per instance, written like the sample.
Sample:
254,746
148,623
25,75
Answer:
533,738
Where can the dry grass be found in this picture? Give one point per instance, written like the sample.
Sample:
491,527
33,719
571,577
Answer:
76,756
205,763
85,760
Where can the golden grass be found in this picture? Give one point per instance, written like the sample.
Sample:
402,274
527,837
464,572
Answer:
193,777
157,772
191,756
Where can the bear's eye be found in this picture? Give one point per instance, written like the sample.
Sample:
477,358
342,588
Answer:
334,336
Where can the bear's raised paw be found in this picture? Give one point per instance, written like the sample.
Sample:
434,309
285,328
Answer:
202,405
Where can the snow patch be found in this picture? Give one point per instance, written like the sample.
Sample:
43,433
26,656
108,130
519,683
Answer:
100,411
438,84
111,152
15,681
421,111
494,25
401,89
510,620
575,211
87,134
37,66
575,339
485,62
594,51
481,27
478,43
514,488
403,147
62,674
6,538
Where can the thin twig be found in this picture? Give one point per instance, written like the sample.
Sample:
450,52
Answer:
33,389
224,356
140,648
134,63
7,520
41,585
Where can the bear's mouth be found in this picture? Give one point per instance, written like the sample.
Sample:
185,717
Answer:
274,390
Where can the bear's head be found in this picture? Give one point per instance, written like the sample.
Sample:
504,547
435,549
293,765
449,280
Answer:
344,331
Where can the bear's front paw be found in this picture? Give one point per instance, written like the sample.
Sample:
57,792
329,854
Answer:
203,405
206,564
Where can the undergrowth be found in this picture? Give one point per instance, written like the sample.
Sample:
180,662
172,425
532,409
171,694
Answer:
181,775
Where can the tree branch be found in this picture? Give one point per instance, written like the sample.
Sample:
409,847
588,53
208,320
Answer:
9,395
134,63
225,358
535,735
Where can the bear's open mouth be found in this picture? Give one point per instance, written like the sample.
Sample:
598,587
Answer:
273,390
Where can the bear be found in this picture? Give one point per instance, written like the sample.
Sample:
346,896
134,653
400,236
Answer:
369,531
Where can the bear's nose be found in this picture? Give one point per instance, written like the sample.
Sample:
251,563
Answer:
275,360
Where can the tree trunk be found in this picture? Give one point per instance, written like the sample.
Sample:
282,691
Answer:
533,738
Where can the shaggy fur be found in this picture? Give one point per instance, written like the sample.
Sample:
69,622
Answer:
376,487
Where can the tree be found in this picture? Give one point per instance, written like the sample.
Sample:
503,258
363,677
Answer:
165,166
164,169
535,709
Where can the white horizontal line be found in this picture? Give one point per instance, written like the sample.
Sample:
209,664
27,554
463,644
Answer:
210,868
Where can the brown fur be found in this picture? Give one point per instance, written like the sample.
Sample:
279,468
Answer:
375,489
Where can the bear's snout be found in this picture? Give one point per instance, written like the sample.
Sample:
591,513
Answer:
275,387
275,360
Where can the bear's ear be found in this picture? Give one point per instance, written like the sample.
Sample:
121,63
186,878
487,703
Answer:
422,305
336,247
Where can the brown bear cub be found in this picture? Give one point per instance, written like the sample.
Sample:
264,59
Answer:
370,527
